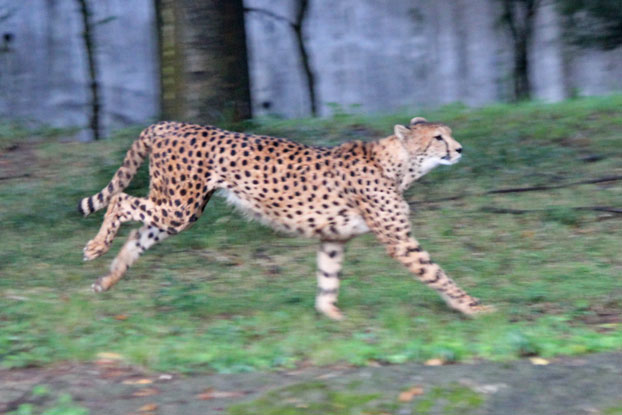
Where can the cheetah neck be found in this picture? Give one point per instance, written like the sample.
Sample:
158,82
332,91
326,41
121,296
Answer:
397,164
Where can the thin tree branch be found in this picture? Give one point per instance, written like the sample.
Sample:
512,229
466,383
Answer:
518,16
555,186
304,56
19,176
302,50
89,45
270,14
532,8
520,189
492,209
509,18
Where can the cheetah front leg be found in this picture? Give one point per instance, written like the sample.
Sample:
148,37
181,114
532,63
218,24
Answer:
329,258
408,252
392,228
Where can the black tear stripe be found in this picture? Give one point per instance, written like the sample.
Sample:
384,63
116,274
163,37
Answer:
426,147
446,148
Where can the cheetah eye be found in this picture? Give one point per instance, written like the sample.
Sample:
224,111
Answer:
439,137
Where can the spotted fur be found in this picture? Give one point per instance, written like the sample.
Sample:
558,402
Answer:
329,193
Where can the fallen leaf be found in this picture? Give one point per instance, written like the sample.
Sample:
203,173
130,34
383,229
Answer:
210,393
109,356
538,361
137,381
150,407
112,372
121,317
434,362
528,234
145,392
409,394
105,363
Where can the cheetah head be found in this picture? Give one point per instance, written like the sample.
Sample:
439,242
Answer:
428,145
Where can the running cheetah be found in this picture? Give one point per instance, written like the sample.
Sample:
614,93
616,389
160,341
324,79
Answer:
329,193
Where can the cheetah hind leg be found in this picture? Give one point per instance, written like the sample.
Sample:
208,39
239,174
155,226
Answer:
329,259
138,242
100,244
123,208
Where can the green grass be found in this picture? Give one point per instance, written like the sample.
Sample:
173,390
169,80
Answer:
230,296
320,398
310,398
47,404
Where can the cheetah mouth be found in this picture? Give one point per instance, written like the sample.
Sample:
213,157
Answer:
447,161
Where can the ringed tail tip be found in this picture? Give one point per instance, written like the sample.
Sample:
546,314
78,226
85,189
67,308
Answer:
85,206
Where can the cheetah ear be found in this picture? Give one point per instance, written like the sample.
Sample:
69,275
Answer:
417,120
401,132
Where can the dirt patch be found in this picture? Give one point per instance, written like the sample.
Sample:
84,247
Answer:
582,385
15,159
606,317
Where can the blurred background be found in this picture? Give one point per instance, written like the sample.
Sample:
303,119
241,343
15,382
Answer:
133,61
528,221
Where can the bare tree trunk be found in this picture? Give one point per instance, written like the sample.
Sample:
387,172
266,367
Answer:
304,56
522,83
203,60
89,46
518,16
303,6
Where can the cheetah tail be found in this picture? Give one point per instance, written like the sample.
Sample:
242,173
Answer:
132,161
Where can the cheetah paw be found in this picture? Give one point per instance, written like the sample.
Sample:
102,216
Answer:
470,306
477,309
332,312
481,309
94,249
100,285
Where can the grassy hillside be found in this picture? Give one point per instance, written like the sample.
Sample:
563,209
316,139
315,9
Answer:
229,295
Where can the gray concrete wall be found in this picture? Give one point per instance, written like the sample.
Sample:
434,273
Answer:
385,55
367,55
43,74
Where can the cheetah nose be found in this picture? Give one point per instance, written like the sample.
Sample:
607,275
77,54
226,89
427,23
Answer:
459,150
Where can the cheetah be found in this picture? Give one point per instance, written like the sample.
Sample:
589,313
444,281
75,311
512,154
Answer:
329,193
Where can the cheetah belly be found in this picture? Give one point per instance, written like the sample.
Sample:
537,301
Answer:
355,226
242,204
249,210
347,227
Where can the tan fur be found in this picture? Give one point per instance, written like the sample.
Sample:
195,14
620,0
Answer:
329,258
329,193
